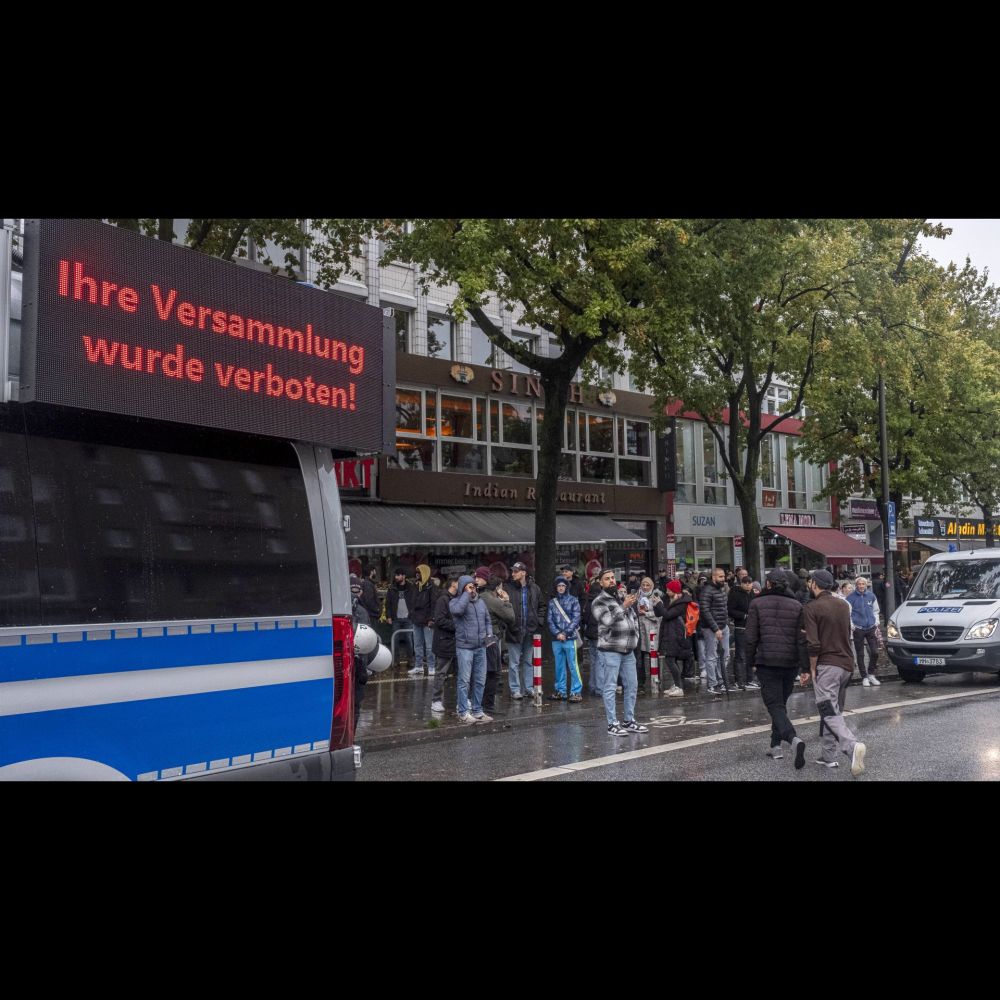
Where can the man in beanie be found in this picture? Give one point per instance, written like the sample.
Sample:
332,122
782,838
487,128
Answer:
775,643
831,663
524,597
564,624
399,601
674,644
498,604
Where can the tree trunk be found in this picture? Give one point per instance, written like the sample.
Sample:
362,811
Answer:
751,531
550,446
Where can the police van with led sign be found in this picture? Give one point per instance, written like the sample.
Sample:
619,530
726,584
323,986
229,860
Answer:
174,595
950,620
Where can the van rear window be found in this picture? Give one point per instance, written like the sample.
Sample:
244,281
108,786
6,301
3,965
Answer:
141,522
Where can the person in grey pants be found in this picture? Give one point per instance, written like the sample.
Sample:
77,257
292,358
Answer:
831,664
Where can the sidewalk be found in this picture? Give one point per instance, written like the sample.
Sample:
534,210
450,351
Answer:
396,710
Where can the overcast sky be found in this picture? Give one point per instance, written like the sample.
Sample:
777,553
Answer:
976,238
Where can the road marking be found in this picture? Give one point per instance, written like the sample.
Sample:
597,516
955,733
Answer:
584,765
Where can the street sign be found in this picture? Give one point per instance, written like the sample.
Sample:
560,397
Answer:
737,551
891,517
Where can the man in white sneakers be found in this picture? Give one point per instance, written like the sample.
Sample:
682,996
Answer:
618,636
831,663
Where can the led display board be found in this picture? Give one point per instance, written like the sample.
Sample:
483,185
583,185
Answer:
118,322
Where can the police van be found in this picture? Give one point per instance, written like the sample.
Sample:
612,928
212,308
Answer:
174,595
950,620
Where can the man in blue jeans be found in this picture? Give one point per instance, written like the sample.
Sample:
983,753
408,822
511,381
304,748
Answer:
524,598
713,599
564,624
472,629
618,637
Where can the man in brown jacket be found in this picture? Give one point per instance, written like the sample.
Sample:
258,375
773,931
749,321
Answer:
831,663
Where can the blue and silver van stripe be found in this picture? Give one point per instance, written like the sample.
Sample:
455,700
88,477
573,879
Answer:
34,655
168,734
84,690
235,763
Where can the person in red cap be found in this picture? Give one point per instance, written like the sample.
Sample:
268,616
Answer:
674,646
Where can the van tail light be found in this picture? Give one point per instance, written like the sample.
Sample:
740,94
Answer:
342,731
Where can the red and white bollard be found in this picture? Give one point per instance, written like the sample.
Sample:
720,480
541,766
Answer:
536,663
654,663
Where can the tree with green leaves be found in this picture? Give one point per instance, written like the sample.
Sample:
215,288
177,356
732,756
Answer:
580,280
768,301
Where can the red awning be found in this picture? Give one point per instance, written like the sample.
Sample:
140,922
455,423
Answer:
829,542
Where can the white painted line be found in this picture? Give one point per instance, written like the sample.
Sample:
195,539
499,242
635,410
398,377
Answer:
585,765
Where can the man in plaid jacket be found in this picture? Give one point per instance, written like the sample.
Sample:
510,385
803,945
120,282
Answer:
618,636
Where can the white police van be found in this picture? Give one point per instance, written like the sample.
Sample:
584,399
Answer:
174,593
950,620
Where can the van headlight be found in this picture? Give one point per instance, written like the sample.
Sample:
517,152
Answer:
892,630
983,629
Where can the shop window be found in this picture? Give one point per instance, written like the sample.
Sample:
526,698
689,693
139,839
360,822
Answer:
512,461
412,453
461,417
457,456
818,479
600,434
634,473
516,423
409,411
594,469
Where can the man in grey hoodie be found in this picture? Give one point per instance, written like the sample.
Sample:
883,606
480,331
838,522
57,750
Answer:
472,629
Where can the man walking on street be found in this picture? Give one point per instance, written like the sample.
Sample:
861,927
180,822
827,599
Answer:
776,645
618,637
472,629
524,597
831,662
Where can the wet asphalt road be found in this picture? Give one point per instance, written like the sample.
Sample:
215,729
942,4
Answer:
956,738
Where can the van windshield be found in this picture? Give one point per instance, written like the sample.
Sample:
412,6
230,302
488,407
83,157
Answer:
957,579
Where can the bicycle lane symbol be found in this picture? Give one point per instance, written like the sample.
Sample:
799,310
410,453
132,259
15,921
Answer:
670,721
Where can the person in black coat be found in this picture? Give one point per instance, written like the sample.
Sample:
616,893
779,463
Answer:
775,644
361,660
674,644
369,597
443,643
739,605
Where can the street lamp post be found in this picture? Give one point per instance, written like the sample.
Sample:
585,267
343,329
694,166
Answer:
890,575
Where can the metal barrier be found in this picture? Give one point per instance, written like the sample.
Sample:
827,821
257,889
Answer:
392,642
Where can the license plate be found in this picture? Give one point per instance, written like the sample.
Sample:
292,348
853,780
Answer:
929,661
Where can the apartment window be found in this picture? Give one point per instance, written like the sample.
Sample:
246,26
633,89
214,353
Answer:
483,351
795,469
531,343
776,397
402,320
818,480
635,467
440,338
713,471
687,489
770,463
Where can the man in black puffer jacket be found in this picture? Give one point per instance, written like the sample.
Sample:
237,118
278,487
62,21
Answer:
776,645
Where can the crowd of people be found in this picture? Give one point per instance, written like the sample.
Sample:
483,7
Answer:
721,631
